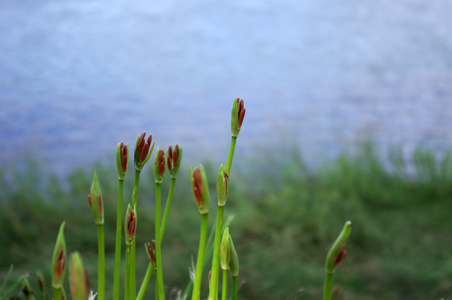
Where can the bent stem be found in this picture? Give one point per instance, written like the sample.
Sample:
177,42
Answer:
328,286
213,291
225,286
235,285
118,243
200,259
158,254
101,263
146,280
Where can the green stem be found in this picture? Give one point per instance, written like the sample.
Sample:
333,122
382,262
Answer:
328,286
235,284
213,291
156,285
133,286
12,287
167,208
118,243
101,265
225,285
57,294
231,155
6,278
200,259
127,279
63,294
158,243
146,280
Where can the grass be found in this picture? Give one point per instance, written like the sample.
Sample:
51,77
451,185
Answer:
287,216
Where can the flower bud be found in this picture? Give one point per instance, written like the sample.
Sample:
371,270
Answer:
222,185
173,158
159,165
150,251
95,201
200,189
122,159
143,150
234,262
130,225
59,260
78,278
225,250
41,284
237,116
27,290
337,251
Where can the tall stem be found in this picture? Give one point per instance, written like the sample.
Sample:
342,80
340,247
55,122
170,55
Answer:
235,284
57,294
224,292
213,291
200,259
127,279
158,240
101,261
231,154
133,287
146,280
118,243
167,208
328,286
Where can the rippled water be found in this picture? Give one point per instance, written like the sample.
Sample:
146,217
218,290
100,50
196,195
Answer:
76,77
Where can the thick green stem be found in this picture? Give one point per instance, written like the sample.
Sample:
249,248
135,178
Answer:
101,263
158,253
328,286
156,285
200,259
57,294
231,155
127,279
133,286
235,285
213,291
167,208
146,280
118,243
224,292
63,294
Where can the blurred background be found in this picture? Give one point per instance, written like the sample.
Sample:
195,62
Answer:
349,116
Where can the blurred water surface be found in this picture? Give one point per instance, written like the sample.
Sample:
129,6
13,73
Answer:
76,77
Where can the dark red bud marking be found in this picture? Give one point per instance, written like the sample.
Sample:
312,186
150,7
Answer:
170,152
153,243
175,154
140,143
100,203
144,152
60,264
41,283
197,195
241,117
226,178
62,297
85,272
27,292
197,180
89,200
151,253
210,275
150,139
340,256
169,162
161,162
121,147
131,224
124,163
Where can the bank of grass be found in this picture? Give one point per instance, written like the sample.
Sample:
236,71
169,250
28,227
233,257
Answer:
286,217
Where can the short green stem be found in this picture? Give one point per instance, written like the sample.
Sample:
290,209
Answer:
328,286
146,280
167,208
127,279
213,291
57,294
200,259
118,243
224,292
101,263
231,155
235,285
158,243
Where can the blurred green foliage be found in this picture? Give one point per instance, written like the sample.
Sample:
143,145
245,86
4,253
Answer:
286,218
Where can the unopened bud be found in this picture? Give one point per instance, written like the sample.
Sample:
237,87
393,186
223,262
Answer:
59,260
78,278
237,116
130,225
122,159
173,159
159,165
150,251
234,262
40,281
225,251
200,189
27,290
337,251
96,201
222,186
143,150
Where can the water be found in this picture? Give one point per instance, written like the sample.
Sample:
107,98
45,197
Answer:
76,77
